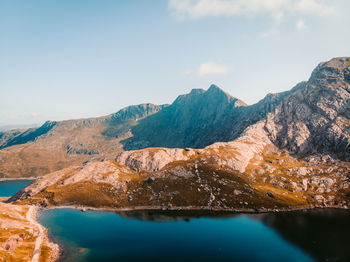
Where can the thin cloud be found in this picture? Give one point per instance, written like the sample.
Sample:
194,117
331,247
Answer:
208,69
196,9
300,25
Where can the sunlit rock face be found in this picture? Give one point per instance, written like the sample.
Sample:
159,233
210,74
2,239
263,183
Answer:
315,120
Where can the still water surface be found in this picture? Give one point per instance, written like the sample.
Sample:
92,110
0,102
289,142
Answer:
186,236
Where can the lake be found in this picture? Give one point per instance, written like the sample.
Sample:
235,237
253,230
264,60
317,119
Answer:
10,187
187,236
320,235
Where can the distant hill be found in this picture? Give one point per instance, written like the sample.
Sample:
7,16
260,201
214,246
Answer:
12,127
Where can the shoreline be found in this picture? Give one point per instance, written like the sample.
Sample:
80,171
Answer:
17,178
43,236
191,208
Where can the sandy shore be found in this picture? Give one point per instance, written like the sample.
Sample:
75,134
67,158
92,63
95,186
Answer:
31,216
23,238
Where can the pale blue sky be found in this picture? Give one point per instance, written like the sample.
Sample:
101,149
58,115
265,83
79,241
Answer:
63,59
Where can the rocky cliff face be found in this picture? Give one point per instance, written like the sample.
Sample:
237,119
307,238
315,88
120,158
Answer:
315,120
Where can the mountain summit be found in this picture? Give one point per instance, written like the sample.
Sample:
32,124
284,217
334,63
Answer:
187,122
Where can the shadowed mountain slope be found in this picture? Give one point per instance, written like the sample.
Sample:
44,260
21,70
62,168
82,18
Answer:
199,119
17,137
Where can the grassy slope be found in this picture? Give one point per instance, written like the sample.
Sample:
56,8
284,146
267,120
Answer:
198,183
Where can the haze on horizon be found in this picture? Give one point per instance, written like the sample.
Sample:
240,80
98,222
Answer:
66,59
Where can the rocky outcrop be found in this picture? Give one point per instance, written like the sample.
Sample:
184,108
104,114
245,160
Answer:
234,155
153,159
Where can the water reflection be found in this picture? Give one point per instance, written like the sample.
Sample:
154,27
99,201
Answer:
324,234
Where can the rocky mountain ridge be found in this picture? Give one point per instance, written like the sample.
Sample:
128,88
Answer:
295,120
314,120
197,119
294,157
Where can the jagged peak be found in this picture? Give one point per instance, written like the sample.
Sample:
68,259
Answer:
337,62
336,68
211,92
215,89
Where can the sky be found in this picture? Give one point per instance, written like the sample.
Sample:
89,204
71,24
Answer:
64,59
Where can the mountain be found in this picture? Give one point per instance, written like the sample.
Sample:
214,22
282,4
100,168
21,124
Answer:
295,120
197,119
292,153
192,120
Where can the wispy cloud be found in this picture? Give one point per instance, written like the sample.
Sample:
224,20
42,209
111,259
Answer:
300,25
196,9
207,69
269,33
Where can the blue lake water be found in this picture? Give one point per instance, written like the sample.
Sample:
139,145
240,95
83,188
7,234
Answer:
11,187
103,236
195,236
